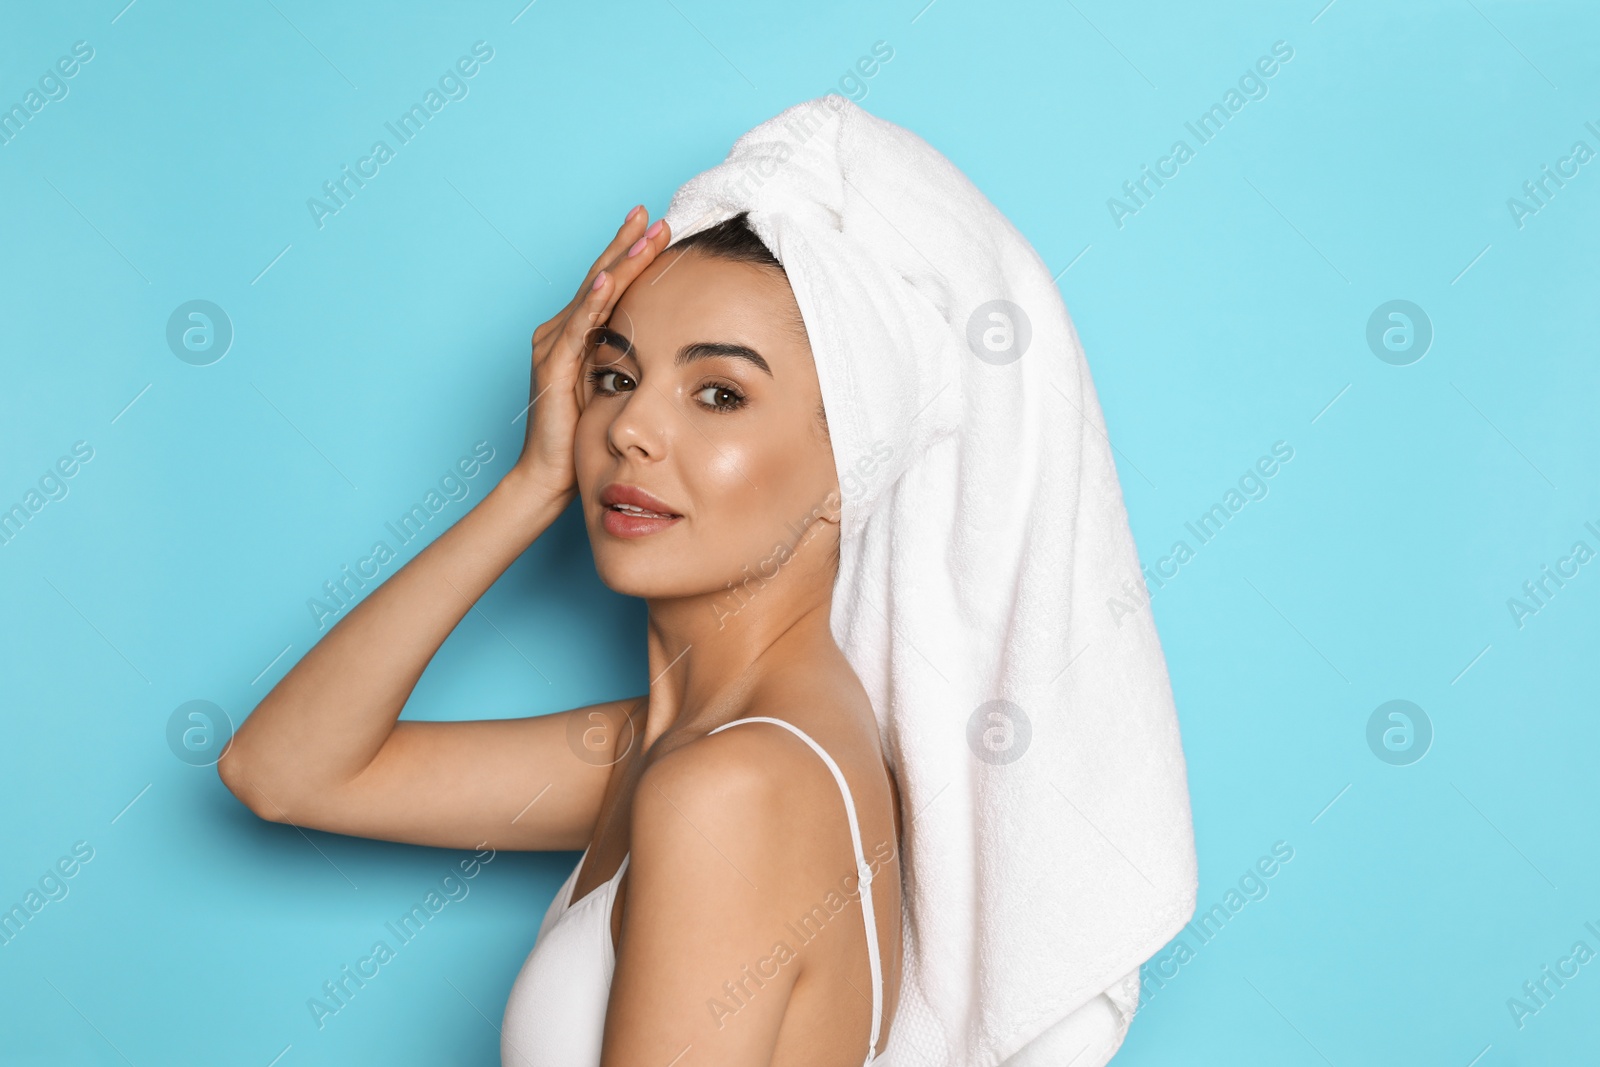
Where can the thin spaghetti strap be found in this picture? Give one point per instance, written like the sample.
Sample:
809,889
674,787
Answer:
863,872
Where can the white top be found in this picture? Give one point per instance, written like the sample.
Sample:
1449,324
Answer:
555,1015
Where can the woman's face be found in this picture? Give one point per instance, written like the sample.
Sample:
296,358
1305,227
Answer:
702,393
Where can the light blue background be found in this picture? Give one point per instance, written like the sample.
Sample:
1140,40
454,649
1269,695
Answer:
1229,313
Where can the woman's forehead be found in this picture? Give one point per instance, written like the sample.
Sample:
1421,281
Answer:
690,298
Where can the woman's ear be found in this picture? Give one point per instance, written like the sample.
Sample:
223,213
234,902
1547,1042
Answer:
832,505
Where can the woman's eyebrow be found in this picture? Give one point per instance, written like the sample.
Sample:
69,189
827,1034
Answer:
712,349
605,335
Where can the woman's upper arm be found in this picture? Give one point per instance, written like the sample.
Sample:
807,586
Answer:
531,783
703,913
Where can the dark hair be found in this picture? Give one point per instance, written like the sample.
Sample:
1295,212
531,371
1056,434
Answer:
733,239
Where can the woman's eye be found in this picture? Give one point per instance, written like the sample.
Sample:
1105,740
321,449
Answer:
720,397
607,381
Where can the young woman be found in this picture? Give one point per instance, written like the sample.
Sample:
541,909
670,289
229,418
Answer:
738,900
843,440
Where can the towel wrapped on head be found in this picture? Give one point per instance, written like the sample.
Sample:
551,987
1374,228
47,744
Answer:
983,592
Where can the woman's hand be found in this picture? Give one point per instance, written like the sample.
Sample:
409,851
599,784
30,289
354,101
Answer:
560,345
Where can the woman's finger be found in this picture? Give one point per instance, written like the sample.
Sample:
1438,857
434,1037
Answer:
637,221
632,224
622,261
637,255
632,263
589,312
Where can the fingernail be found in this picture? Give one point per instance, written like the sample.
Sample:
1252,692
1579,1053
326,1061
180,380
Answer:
655,228
638,246
632,213
599,280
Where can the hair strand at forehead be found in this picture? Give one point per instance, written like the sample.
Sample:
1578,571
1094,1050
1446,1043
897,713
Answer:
732,239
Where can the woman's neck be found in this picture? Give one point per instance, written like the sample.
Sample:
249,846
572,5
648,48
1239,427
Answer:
703,660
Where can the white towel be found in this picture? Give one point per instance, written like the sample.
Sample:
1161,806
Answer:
1048,844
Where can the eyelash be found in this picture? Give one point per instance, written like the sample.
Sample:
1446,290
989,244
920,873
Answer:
597,374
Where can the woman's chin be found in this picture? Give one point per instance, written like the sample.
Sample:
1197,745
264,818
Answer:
645,578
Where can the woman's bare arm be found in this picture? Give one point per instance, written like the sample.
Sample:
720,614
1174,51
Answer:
740,858
326,749
712,880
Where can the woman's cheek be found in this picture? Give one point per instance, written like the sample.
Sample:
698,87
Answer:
731,467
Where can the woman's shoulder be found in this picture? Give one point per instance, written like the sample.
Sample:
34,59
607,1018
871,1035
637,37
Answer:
754,767
719,819
732,834
755,779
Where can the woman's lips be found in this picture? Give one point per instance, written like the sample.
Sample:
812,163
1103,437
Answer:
632,512
624,523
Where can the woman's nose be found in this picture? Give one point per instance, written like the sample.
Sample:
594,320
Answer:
642,423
